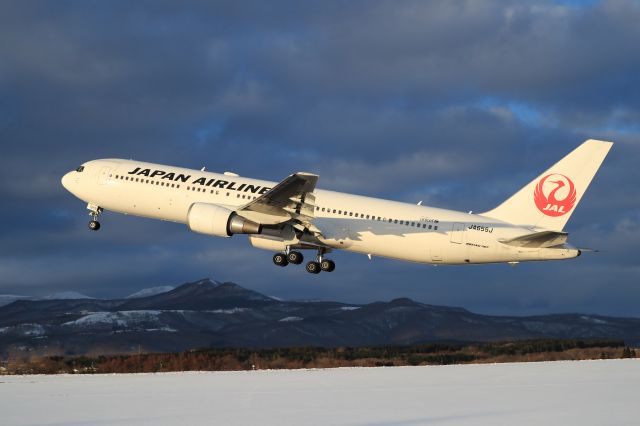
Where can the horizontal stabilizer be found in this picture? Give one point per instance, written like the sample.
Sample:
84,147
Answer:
538,239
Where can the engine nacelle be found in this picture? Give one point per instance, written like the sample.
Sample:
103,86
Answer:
211,219
267,243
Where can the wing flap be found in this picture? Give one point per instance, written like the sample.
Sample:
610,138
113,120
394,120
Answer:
292,198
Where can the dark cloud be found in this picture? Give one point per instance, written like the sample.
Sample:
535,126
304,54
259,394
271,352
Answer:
457,104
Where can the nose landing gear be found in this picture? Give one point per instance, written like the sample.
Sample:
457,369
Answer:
94,212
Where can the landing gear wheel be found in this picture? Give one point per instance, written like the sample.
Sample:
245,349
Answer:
94,225
313,267
295,257
280,259
327,265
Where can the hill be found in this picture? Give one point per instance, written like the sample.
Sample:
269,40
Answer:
207,313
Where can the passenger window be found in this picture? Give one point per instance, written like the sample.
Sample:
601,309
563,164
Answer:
395,221
435,228
350,213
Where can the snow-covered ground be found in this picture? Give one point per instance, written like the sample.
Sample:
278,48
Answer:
574,393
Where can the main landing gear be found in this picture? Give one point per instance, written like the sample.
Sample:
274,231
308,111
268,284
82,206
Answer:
313,267
94,212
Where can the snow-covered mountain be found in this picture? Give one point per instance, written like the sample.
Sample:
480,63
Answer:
208,313
152,291
66,295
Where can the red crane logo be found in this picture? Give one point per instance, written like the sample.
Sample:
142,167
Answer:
559,199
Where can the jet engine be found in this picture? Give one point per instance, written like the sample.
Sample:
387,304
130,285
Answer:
212,219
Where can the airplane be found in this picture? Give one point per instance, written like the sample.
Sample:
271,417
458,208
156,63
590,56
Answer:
293,215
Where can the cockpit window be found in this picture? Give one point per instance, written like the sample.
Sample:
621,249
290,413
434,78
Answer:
80,169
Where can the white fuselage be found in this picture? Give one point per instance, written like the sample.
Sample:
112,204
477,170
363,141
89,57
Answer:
349,222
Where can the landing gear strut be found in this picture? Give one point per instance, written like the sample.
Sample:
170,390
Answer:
94,212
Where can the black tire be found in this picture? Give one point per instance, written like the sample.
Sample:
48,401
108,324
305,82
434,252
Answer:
94,225
313,267
327,265
280,259
295,257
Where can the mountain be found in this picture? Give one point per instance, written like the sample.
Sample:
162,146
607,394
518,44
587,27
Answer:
66,295
207,313
5,299
152,291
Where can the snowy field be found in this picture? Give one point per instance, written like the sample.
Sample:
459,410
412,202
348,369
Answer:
573,393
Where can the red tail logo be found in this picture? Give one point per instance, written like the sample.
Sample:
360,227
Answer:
560,195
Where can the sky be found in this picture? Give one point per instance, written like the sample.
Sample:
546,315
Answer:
455,103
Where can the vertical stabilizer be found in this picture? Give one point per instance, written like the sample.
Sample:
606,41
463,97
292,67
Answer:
549,200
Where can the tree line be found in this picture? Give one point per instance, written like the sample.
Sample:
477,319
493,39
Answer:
225,359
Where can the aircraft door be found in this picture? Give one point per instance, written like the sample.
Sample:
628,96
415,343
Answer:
457,233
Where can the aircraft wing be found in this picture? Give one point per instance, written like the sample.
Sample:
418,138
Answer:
292,198
538,239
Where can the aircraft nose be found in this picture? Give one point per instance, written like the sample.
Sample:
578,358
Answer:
66,180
